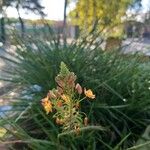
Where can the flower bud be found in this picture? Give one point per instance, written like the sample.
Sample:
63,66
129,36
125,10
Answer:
77,105
71,80
60,82
60,90
59,103
78,88
57,93
57,120
51,95
85,121
66,98
61,121
77,130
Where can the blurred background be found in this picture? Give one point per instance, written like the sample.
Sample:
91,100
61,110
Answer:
106,43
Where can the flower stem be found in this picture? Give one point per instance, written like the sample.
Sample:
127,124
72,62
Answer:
82,130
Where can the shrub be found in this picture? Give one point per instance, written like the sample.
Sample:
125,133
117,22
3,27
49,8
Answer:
120,83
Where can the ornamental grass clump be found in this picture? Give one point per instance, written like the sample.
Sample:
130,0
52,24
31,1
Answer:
64,101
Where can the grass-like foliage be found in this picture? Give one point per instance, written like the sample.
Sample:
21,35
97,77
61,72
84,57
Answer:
118,115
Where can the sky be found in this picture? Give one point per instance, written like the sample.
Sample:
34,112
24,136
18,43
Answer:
146,5
54,10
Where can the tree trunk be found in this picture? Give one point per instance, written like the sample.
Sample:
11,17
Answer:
113,43
65,24
22,27
3,33
77,31
21,23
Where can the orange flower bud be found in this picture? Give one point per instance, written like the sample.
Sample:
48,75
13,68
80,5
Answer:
78,88
61,121
57,120
60,82
77,130
57,93
60,90
51,95
66,98
71,80
59,103
77,105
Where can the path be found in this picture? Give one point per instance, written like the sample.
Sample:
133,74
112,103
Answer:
137,45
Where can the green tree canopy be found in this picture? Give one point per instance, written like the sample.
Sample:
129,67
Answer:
103,13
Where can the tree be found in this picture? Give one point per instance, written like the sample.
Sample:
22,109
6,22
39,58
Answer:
3,4
89,14
64,23
31,5
20,20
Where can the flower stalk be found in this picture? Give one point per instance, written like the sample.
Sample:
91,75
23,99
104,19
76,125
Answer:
64,101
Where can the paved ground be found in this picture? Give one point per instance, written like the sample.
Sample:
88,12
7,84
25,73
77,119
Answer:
4,86
137,45
2,64
2,147
2,74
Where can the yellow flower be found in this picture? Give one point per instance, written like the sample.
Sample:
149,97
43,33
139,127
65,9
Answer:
66,98
47,105
89,93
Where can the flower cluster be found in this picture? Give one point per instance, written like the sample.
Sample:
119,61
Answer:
64,101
